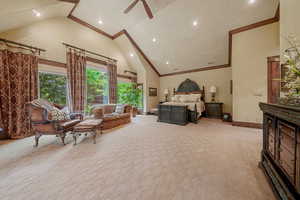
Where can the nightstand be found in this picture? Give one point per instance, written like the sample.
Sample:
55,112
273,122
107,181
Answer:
214,110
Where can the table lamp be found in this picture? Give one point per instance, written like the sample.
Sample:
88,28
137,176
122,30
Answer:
166,93
213,91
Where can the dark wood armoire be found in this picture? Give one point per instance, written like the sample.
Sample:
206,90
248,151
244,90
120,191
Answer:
281,149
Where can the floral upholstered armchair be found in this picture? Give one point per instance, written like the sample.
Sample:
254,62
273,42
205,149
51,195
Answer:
48,119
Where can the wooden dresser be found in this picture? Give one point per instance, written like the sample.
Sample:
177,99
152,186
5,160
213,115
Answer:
281,149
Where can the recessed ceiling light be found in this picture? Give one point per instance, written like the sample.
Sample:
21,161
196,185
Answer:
251,1
195,23
167,62
131,55
36,13
154,40
100,22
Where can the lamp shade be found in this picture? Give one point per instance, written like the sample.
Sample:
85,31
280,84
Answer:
213,89
166,91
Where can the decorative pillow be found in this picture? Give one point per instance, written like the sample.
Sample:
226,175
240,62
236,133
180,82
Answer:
120,109
66,109
58,115
53,112
197,96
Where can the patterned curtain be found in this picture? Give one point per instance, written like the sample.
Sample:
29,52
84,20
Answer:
76,70
113,80
18,85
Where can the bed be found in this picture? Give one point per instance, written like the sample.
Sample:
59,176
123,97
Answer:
187,105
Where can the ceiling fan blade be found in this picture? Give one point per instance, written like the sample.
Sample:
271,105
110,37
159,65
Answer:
131,6
148,10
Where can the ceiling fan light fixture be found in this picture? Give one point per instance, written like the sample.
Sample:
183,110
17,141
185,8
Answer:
154,40
167,62
131,55
100,22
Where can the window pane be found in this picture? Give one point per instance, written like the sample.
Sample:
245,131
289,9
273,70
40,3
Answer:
128,93
97,87
53,87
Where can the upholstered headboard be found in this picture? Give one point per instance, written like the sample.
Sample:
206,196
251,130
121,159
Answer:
190,87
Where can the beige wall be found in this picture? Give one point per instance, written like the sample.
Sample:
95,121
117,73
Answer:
220,78
49,34
249,70
289,21
150,79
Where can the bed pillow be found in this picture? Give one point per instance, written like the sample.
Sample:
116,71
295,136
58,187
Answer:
185,98
192,98
177,98
196,97
173,99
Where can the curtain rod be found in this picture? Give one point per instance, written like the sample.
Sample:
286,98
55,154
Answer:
20,44
90,52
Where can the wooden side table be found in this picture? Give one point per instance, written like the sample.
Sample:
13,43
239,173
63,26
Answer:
214,110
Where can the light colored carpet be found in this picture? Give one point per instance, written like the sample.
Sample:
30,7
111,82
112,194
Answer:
144,160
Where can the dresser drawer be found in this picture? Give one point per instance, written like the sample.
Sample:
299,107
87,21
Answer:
287,164
287,129
288,142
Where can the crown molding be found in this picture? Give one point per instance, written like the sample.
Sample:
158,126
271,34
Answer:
196,70
83,23
274,19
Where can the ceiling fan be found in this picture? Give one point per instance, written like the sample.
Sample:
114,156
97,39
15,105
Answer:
147,8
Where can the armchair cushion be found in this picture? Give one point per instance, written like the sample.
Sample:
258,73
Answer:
53,112
69,124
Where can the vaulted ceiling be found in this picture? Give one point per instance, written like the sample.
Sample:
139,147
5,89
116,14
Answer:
16,13
178,42
179,45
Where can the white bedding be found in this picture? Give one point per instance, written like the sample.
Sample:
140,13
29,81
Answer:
191,106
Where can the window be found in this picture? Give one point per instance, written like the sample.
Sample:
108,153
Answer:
129,93
97,86
53,87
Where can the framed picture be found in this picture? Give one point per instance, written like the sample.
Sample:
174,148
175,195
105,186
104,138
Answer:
153,92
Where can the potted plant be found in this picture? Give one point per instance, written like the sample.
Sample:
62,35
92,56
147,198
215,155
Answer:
291,78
